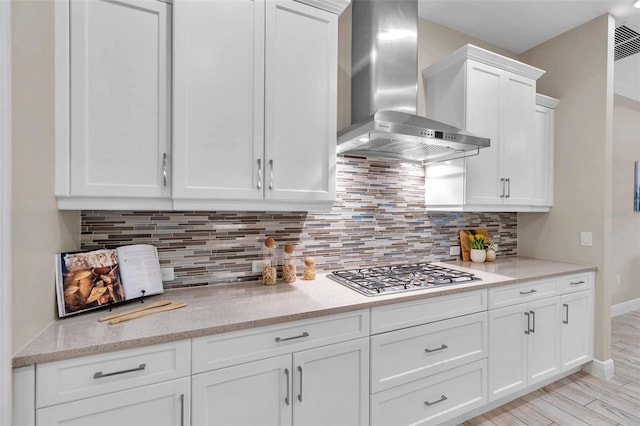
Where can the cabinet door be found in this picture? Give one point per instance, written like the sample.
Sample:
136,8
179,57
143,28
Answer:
542,157
543,349
507,350
165,403
300,97
257,393
219,101
331,384
483,117
518,128
577,329
120,82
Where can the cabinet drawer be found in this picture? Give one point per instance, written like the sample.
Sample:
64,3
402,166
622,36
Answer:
577,282
222,350
426,349
523,292
160,404
433,400
407,314
94,375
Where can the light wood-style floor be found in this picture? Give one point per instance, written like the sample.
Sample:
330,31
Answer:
582,399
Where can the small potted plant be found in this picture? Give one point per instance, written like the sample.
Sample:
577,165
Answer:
478,254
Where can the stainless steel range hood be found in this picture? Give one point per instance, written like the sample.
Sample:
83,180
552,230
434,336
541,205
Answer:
384,91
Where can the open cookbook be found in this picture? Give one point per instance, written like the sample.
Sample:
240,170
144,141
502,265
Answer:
87,280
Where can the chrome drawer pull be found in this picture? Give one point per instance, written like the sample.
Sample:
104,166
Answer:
300,393
442,398
182,410
437,349
100,374
286,373
164,169
529,292
533,320
259,173
271,175
305,334
577,283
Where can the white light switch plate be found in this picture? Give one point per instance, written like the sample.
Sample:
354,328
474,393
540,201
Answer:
454,251
586,239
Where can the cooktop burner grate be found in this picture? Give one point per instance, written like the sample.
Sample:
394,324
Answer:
399,278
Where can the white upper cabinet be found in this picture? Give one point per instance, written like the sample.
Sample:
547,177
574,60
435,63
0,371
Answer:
491,96
301,89
542,156
252,122
255,105
218,99
113,106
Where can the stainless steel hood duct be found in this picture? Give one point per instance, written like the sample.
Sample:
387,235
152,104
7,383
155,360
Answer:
384,91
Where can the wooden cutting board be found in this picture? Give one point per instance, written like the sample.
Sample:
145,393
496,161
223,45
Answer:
466,245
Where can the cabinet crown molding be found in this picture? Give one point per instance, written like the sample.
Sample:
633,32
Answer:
547,101
469,51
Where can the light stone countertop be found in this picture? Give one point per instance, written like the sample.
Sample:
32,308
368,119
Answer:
223,308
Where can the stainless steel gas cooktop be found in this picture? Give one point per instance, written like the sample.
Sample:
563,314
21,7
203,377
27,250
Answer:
399,278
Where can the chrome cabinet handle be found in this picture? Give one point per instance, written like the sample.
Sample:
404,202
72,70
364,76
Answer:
442,398
182,410
502,180
437,349
259,173
577,282
533,321
100,374
529,292
271,175
305,334
286,399
164,169
508,188
528,329
300,393
566,313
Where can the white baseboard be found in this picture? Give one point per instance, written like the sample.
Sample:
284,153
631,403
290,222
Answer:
601,369
625,307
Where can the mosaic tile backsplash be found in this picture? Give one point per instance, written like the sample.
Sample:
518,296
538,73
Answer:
378,217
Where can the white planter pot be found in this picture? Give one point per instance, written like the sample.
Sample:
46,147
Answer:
478,255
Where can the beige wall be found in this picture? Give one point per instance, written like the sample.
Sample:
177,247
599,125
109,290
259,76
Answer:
39,229
579,67
625,222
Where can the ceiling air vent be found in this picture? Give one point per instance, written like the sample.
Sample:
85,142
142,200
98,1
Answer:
627,41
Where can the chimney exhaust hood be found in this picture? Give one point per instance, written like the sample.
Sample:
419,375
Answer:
384,91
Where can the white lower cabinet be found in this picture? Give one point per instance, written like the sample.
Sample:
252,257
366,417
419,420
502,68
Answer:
432,400
543,335
577,320
142,386
164,403
577,329
431,372
307,372
524,345
320,386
